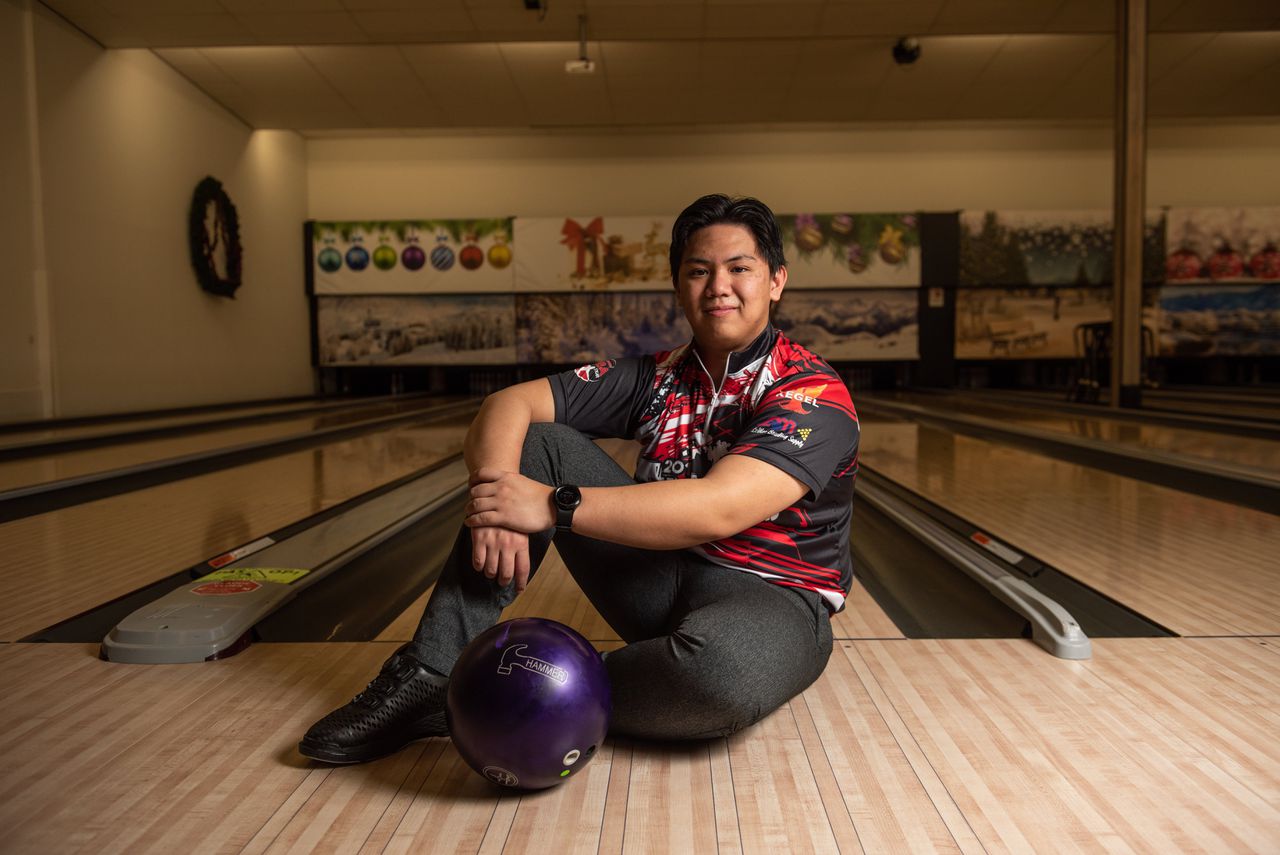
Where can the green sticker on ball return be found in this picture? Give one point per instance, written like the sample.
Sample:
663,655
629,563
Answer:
278,575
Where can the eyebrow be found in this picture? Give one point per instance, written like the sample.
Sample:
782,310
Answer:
697,260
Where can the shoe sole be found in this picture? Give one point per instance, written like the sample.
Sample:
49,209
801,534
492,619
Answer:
358,753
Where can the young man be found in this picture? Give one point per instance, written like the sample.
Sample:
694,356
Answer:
718,564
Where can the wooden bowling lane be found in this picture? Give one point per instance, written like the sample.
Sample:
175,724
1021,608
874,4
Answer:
1262,404
108,425
24,472
972,746
1259,455
1194,565
62,563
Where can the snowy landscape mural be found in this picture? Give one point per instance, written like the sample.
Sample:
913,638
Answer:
566,328
1028,323
853,324
416,330
1220,320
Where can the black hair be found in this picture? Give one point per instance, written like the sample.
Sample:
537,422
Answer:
718,208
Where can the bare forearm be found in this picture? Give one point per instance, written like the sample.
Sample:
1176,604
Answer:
738,493
663,514
497,435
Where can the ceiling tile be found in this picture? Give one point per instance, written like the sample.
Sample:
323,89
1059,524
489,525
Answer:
163,30
1220,16
659,20
994,16
1083,16
637,59
168,7
377,83
280,6
312,28
879,17
730,19
416,26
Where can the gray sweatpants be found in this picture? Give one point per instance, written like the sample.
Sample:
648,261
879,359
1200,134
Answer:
709,650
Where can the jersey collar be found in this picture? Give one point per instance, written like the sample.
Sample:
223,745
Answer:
739,359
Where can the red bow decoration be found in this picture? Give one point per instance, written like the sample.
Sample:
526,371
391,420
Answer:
582,240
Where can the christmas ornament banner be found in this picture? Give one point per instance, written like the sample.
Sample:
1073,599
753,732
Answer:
593,253
412,256
1223,245
1049,248
851,250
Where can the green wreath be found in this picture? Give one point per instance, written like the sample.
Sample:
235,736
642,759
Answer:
203,244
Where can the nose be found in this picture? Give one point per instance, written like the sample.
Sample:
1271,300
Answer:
717,283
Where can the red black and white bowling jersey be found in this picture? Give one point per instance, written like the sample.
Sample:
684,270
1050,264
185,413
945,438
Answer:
778,403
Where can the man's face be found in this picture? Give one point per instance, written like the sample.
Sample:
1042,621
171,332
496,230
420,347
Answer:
725,288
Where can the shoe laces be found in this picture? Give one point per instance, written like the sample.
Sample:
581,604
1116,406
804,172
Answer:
387,683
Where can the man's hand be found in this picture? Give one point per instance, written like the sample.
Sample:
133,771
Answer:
502,555
509,500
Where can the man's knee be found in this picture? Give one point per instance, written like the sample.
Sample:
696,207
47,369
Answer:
718,689
545,444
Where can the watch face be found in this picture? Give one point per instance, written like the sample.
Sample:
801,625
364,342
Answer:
568,496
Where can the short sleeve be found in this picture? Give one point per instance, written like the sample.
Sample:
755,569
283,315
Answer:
603,399
806,426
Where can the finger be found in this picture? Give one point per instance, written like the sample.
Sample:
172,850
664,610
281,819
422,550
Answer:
483,519
506,568
479,551
483,488
522,570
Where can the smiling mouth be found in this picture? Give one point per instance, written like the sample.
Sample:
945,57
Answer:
720,311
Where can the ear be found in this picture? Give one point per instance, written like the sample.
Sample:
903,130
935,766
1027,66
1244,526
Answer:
776,283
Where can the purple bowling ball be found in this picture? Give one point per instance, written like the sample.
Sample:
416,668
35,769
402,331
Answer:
528,703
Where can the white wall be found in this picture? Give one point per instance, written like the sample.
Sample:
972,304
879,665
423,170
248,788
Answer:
122,142
935,168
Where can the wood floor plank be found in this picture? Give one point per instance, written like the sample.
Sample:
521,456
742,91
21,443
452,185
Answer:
728,832
862,616
342,813
1220,695
143,752
779,806
879,794
452,812
1195,565
670,801
613,826
1042,754
571,815
1164,745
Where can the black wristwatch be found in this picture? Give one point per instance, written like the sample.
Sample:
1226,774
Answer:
566,499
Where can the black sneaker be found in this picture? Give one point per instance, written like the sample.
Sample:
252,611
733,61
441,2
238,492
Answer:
404,703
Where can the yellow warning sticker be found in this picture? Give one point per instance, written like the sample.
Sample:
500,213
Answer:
279,575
